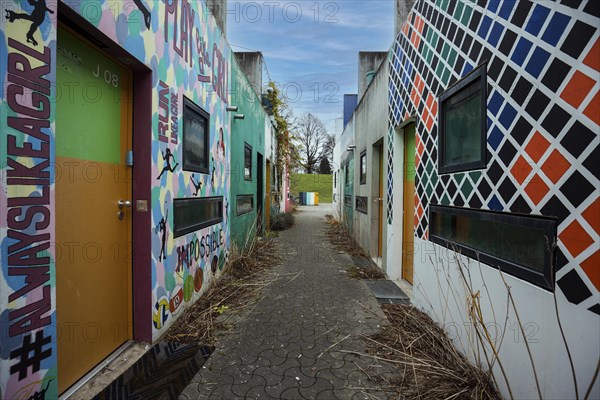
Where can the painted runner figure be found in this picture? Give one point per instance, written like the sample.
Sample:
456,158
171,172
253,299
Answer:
144,10
37,17
198,185
167,157
162,227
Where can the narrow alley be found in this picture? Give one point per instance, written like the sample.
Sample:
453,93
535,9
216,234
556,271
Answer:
294,343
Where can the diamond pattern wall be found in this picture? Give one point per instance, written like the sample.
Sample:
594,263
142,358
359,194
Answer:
543,65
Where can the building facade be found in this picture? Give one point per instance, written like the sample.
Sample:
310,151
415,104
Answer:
116,163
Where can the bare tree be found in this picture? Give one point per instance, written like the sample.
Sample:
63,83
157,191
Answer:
311,135
328,147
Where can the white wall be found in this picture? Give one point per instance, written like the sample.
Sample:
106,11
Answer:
439,290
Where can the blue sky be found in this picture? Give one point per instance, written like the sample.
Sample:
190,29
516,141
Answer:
311,47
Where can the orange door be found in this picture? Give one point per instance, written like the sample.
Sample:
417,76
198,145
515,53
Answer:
93,265
409,204
380,239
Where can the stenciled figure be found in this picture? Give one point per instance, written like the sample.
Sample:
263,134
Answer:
41,395
162,227
198,185
144,10
212,176
167,157
221,146
37,17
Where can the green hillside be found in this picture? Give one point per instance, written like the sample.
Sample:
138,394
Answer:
323,184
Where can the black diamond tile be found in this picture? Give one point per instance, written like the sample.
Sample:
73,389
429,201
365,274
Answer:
484,189
521,130
474,23
451,7
507,189
466,45
460,34
577,139
495,172
593,8
486,54
592,162
520,15
573,287
460,62
475,50
595,309
577,188
561,261
507,152
571,3
578,38
459,201
508,79
494,68
521,90
537,104
508,41
451,188
556,74
475,202
555,208
520,205
419,231
556,120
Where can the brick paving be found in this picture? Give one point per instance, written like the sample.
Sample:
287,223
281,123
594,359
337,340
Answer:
296,343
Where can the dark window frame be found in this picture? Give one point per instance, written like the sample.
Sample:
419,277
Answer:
363,174
177,231
347,175
478,74
362,199
244,196
543,279
247,147
196,112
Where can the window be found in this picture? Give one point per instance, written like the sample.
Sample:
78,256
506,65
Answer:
244,204
363,167
247,162
348,201
361,204
463,124
347,175
190,215
195,137
335,180
516,243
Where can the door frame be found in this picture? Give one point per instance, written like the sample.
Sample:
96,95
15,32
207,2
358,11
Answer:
259,193
141,224
404,272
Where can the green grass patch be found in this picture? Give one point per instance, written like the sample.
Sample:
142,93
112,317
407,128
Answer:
323,184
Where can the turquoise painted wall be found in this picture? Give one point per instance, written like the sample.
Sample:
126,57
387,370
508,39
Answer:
250,130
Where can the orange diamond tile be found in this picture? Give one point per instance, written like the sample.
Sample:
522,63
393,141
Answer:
593,109
429,124
537,146
434,110
593,57
430,100
521,170
592,215
577,89
591,267
575,238
536,189
555,166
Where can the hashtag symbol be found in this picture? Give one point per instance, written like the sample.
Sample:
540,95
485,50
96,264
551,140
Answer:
25,357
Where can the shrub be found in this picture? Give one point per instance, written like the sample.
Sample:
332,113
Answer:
281,221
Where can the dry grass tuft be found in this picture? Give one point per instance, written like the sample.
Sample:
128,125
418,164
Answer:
371,272
341,239
429,366
240,285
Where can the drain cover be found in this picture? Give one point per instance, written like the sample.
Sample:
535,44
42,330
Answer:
386,291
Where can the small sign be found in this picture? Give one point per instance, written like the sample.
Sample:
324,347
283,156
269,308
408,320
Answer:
141,205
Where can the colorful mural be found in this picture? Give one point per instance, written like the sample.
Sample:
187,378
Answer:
543,117
189,57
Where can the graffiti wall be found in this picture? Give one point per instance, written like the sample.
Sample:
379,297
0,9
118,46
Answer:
541,60
189,58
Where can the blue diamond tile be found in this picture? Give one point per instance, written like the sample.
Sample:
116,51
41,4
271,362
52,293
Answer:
495,34
493,5
495,103
507,8
537,19
538,60
495,204
495,138
508,116
484,27
468,68
521,51
556,27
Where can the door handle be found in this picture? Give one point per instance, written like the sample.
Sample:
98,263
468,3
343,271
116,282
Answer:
124,203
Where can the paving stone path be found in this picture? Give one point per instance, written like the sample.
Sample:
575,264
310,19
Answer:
300,340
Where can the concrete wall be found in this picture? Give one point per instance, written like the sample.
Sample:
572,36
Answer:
218,8
251,63
402,8
371,127
368,61
340,158
542,136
